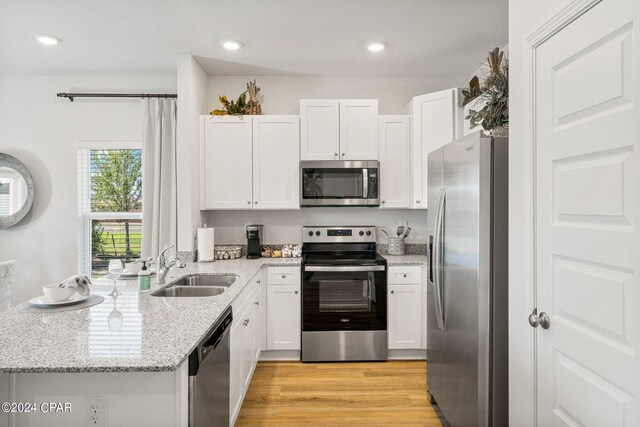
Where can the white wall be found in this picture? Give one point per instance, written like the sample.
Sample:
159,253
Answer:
285,226
41,131
192,92
282,94
525,17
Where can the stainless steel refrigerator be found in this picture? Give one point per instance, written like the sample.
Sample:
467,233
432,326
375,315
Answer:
467,220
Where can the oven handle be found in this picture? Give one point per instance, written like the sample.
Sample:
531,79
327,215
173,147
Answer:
345,268
365,183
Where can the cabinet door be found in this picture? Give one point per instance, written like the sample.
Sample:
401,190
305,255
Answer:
258,325
358,129
276,159
236,389
320,129
226,150
395,161
433,126
405,316
283,317
248,337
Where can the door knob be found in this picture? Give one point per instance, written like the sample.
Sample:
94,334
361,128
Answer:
249,202
295,292
284,277
393,292
541,319
417,201
335,154
342,154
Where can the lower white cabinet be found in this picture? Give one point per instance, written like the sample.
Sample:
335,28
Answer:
245,344
405,316
283,311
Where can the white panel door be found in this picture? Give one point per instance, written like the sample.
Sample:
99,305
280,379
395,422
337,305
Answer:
248,344
358,129
588,212
276,154
283,317
226,164
320,129
433,124
405,316
395,161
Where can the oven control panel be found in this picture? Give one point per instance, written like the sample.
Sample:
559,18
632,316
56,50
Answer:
339,234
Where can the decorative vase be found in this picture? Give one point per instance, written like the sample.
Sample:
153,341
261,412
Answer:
502,130
253,106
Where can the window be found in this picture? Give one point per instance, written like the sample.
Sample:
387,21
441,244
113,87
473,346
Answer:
109,204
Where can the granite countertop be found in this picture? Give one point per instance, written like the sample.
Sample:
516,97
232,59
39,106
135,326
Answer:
155,334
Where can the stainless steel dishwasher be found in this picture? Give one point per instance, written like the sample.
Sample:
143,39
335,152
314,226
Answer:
209,377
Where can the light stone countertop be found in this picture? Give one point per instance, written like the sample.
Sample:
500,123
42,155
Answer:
155,334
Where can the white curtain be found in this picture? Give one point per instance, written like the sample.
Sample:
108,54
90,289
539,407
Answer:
159,178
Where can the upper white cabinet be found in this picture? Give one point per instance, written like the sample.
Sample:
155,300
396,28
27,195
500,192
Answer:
250,162
320,129
435,123
395,161
226,147
339,129
276,150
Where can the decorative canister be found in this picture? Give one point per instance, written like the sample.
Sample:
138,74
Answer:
395,246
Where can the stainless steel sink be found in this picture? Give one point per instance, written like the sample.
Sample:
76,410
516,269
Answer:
190,291
224,280
197,285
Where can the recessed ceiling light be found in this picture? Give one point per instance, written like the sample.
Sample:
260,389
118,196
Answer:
231,44
376,46
48,39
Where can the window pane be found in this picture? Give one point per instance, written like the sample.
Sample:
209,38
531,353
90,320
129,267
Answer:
114,239
116,180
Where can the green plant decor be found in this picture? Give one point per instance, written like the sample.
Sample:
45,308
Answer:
493,92
231,108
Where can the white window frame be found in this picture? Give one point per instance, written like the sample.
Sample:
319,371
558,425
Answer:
85,215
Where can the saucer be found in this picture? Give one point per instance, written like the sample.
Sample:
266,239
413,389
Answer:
46,301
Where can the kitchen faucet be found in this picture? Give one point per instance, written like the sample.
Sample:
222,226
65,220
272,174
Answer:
163,267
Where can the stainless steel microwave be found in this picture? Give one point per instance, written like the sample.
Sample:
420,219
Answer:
340,183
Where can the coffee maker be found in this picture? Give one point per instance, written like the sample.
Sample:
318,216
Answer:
254,239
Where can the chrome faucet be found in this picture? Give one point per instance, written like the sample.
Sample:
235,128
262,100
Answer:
164,267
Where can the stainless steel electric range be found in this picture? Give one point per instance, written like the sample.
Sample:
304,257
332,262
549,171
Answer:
344,295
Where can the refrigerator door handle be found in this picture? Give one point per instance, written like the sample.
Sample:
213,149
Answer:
437,262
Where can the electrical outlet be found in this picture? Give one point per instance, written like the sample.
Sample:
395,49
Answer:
96,411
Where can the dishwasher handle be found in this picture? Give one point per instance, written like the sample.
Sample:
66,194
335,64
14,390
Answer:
210,342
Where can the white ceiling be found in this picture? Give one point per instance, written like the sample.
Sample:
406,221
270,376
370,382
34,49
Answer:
308,37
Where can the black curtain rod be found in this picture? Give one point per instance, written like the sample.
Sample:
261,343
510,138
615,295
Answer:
71,96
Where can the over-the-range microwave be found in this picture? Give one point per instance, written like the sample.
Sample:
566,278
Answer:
340,183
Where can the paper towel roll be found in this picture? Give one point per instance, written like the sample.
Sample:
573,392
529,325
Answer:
205,244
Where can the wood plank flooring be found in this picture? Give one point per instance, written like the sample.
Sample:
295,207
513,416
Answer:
389,393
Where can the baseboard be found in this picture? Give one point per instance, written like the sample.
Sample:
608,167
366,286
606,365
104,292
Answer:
407,354
279,355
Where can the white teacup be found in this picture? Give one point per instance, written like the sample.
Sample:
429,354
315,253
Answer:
132,267
56,293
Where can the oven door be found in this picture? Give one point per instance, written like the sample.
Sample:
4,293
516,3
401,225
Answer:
344,298
337,183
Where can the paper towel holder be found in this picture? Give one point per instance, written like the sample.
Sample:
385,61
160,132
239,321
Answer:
198,252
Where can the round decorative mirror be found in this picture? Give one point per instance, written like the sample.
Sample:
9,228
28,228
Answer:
16,190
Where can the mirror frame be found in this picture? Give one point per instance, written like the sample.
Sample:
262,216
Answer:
13,163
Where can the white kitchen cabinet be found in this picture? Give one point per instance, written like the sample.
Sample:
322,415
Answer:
358,129
226,149
405,316
435,122
339,129
236,380
320,129
276,150
283,317
250,162
395,161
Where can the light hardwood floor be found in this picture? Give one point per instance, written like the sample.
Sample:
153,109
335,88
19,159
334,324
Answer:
338,394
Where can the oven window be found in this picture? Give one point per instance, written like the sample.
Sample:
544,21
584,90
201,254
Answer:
328,183
339,295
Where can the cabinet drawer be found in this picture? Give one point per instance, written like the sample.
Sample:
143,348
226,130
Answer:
410,275
283,275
